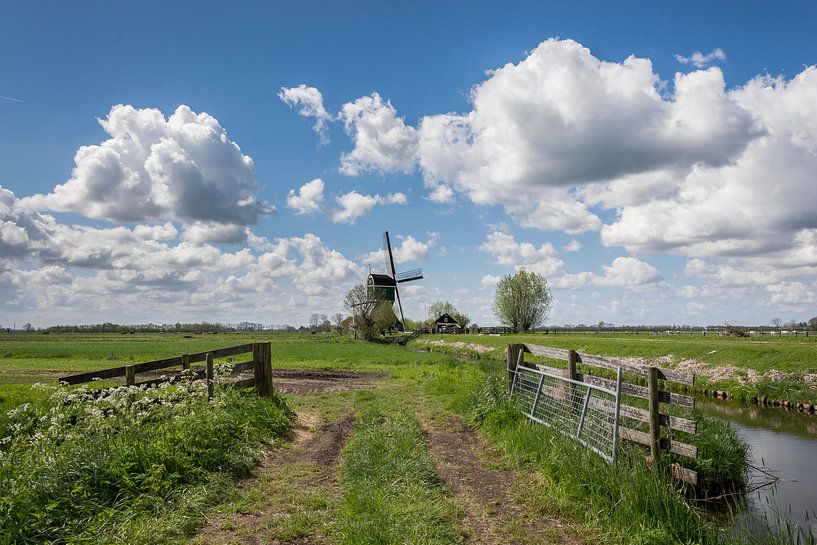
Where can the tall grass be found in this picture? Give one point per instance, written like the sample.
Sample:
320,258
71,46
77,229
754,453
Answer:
86,468
391,491
627,500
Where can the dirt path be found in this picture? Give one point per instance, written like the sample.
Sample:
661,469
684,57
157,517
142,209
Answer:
320,381
487,494
291,495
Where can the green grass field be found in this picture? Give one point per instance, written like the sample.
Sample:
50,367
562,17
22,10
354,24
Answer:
386,489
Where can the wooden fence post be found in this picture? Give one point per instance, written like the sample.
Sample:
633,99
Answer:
655,428
130,375
513,357
209,375
572,358
185,362
572,374
262,370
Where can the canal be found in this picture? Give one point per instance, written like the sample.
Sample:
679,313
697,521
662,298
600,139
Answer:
783,443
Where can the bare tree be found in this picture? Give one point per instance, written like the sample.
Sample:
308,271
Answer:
314,320
776,322
522,300
361,306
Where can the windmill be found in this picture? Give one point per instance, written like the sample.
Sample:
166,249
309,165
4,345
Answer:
383,287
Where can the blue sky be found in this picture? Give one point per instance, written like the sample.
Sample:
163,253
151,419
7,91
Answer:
685,181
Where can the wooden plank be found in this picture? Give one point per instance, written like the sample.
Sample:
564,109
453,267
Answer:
222,352
640,437
546,351
80,378
643,438
552,370
242,367
670,375
639,391
672,422
679,448
680,473
157,364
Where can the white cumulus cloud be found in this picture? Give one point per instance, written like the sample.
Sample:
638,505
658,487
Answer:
407,250
699,60
383,141
353,205
183,167
308,199
309,102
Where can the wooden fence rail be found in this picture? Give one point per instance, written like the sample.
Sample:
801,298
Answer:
657,441
260,364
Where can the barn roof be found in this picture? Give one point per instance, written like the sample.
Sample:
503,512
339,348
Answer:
446,319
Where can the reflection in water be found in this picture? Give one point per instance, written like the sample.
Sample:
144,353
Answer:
785,443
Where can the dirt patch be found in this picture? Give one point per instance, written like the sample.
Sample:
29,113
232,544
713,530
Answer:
486,494
317,381
481,348
324,447
309,464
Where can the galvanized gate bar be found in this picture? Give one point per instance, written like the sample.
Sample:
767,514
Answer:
565,404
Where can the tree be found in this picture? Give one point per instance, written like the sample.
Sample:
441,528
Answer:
384,317
776,322
812,323
314,320
522,300
462,319
358,303
439,308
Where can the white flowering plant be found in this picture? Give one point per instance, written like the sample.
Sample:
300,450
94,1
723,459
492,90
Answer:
70,463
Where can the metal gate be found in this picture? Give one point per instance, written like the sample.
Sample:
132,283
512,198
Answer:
586,413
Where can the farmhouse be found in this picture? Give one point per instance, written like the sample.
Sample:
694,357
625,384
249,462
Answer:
446,324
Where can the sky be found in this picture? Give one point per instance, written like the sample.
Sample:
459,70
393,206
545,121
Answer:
210,161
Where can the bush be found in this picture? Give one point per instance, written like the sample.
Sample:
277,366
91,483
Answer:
80,464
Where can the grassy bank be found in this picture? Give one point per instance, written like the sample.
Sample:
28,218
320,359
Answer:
781,368
131,466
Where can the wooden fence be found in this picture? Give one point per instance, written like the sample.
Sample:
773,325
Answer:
651,391
260,365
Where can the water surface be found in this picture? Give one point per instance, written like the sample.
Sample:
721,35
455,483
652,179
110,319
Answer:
784,443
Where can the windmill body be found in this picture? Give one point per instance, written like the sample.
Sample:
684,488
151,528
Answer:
384,287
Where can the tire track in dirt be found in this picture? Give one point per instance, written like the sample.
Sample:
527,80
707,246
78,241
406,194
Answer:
486,494
314,445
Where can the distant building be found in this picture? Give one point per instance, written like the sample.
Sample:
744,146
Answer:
446,324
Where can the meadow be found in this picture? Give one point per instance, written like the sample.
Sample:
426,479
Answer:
359,465
782,368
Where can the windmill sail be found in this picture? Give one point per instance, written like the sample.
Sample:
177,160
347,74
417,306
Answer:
390,260
408,276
